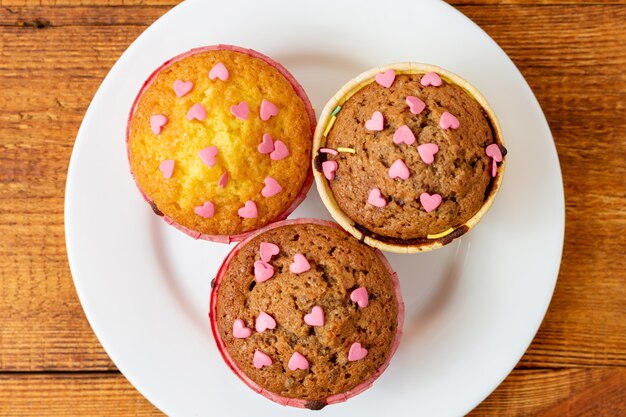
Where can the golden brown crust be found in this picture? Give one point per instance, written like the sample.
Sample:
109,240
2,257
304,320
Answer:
460,172
339,264
193,183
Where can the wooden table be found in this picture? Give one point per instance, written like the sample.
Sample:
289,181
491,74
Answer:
54,54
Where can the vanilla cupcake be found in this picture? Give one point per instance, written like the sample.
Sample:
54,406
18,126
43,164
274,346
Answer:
219,141
408,157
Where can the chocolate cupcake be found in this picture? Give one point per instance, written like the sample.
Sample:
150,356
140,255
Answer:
306,315
219,142
408,157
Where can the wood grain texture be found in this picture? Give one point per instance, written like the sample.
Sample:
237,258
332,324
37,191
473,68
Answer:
71,394
106,3
172,3
44,17
53,56
597,392
547,393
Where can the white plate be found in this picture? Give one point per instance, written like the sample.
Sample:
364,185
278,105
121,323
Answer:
472,307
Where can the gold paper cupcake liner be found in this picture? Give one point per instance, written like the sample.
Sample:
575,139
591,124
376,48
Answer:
437,238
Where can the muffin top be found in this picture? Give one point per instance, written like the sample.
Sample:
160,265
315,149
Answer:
321,322
417,163
219,142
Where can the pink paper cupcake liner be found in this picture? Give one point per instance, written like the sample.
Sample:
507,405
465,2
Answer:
299,91
295,402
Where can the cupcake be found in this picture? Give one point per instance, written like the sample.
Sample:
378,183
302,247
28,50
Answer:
306,315
408,157
219,142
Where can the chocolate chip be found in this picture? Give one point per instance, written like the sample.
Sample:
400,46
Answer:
319,160
155,209
315,405
457,233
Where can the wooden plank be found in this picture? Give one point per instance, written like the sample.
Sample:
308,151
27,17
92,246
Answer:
99,13
42,17
540,3
44,99
560,392
172,3
598,392
71,394
108,3
606,397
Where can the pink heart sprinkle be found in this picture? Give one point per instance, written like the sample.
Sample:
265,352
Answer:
329,168
399,170
280,151
300,264
427,152
404,135
386,78
449,121
208,155
267,145
157,122
223,181
416,106
272,187
240,331
263,271
297,361
261,359
167,168
376,199
249,210
240,110
431,78
356,352
182,88
376,122
360,296
219,71
315,317
430,202
207,210
268,109
494,168
264,321
267,250
328,150
493,151
197,111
